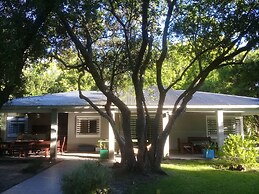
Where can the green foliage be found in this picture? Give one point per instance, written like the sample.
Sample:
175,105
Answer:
20,40
91,177
226,80
43,78
200,176
251,129
179,56
239,151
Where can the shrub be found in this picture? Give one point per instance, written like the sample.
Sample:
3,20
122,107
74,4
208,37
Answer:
91,177
238,151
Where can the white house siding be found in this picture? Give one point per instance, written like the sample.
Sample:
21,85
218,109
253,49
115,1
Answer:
74,142
188,125
194,124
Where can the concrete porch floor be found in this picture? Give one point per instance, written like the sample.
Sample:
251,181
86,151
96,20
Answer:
96,156
186,156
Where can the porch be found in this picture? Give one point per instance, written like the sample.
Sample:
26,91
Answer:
117,157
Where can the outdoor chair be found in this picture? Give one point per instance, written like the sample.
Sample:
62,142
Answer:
185,147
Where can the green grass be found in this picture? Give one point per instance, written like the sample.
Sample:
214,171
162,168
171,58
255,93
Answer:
201,177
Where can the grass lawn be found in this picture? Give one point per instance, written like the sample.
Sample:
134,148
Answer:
201,176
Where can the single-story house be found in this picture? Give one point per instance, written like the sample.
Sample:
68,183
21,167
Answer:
55,116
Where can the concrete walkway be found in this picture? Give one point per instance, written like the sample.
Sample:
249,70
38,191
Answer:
46,182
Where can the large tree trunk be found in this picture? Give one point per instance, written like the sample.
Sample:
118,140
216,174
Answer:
140,129
129,153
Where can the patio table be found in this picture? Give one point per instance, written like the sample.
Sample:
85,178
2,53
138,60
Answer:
22,147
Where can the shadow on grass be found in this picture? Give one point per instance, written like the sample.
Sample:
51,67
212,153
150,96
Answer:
200,177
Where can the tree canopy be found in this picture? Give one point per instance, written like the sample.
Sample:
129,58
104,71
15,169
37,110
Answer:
239,80
20,40
122,40
48,76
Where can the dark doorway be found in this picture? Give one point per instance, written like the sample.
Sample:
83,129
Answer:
62,129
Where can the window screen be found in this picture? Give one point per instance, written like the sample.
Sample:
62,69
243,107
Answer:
87,125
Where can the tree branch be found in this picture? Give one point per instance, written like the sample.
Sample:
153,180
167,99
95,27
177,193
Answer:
65,64
163,54
113,12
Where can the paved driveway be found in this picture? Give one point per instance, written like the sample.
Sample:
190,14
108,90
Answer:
46,182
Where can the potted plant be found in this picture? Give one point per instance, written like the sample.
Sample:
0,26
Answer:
209,150
104,152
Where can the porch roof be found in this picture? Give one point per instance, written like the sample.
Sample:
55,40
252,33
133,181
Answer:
71,99
57,100
214,99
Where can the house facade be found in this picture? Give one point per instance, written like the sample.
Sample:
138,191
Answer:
66,117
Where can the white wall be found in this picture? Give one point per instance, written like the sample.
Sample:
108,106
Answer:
192,125
188,125
73,142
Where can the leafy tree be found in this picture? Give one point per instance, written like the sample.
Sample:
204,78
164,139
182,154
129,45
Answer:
50,77
239,80
176,61
119,41
20,40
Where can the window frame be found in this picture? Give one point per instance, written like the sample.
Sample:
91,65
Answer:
227,127
16,125
89,118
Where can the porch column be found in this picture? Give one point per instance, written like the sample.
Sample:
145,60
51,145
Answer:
111,140
220,127
53,135
242,127
4,127
167,144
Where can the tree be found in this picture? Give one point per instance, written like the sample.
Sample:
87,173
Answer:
20,40
239,80
118,41
46,77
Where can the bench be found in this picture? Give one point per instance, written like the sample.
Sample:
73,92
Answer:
194,144
198,143
86,148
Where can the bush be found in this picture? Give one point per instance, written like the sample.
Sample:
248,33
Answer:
91,177
237,151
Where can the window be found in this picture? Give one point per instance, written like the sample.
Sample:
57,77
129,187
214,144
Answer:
231,126
87,126
133,121
16,126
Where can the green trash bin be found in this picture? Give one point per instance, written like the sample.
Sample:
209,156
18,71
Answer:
104,154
